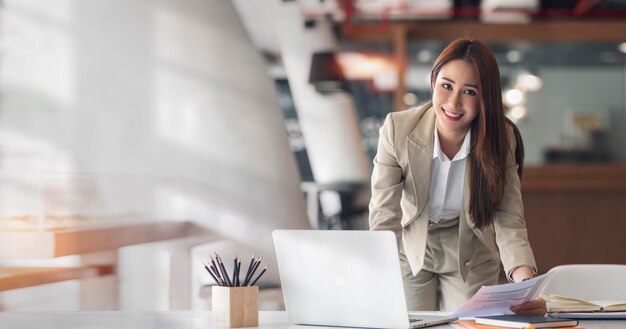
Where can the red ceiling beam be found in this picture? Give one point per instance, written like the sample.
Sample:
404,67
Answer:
350,28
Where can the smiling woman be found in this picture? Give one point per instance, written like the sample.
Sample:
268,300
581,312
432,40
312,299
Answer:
446,180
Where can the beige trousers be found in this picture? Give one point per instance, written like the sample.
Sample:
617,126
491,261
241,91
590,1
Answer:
439,286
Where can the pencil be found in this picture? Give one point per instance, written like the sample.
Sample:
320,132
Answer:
214,268
245,279
238,271
235,271
228,280
223,269
214,278
254,268
238,268
260,274
251,270
213,271
250,267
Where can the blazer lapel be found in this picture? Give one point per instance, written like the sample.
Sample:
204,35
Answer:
420,152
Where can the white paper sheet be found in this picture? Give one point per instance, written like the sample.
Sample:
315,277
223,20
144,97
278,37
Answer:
493,300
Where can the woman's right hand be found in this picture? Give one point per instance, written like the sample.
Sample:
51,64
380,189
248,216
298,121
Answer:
534,307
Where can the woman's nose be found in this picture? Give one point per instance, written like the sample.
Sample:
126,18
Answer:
455,100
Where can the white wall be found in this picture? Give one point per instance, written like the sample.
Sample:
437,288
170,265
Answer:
167,94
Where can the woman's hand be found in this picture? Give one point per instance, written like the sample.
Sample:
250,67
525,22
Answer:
534,307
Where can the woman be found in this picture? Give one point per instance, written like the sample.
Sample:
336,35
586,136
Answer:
446,180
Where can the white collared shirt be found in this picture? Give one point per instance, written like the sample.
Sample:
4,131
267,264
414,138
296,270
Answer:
447,180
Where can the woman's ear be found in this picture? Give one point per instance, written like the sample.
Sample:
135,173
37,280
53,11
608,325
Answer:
432,83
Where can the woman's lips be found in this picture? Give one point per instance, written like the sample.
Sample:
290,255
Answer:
452,116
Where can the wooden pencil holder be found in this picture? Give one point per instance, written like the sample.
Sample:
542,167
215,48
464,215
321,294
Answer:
235,307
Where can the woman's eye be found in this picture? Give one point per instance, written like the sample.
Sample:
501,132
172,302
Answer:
447,86
470,92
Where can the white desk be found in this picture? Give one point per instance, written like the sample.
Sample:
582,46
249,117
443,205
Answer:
171,320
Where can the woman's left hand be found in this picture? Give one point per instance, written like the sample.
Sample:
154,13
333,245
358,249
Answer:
534,307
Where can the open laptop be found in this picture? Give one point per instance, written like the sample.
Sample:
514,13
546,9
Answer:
344,278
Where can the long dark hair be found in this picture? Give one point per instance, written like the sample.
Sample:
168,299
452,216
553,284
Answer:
490,142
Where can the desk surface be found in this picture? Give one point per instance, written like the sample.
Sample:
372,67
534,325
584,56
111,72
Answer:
171,320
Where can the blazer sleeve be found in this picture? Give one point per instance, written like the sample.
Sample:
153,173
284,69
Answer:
387,182
509,224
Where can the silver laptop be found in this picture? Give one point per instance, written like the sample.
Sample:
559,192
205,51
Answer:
344,278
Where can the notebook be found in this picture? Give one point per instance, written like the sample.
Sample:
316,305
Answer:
344,278
524,321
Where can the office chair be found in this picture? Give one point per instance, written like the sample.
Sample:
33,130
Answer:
344,206
588,281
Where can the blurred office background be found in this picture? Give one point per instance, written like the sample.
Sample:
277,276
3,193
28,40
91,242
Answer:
138,137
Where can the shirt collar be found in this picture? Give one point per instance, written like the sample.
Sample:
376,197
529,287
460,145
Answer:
461,154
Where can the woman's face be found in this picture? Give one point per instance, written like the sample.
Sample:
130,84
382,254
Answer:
456,97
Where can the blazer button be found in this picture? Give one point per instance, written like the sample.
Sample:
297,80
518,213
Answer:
467,262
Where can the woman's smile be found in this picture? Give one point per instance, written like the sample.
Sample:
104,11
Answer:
452,115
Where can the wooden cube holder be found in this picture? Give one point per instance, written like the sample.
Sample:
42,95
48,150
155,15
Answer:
235,307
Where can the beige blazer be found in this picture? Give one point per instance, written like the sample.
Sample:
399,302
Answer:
400,189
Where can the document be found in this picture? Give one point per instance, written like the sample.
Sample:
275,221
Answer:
493,300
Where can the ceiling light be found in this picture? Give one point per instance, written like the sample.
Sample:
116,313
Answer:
513,97
358,66
513,56
424,56
517,113
386,80
326,74
409,99
529,81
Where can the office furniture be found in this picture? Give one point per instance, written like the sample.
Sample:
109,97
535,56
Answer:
574,213
108,275
21,277
589,281
342,205
173,319
88,239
